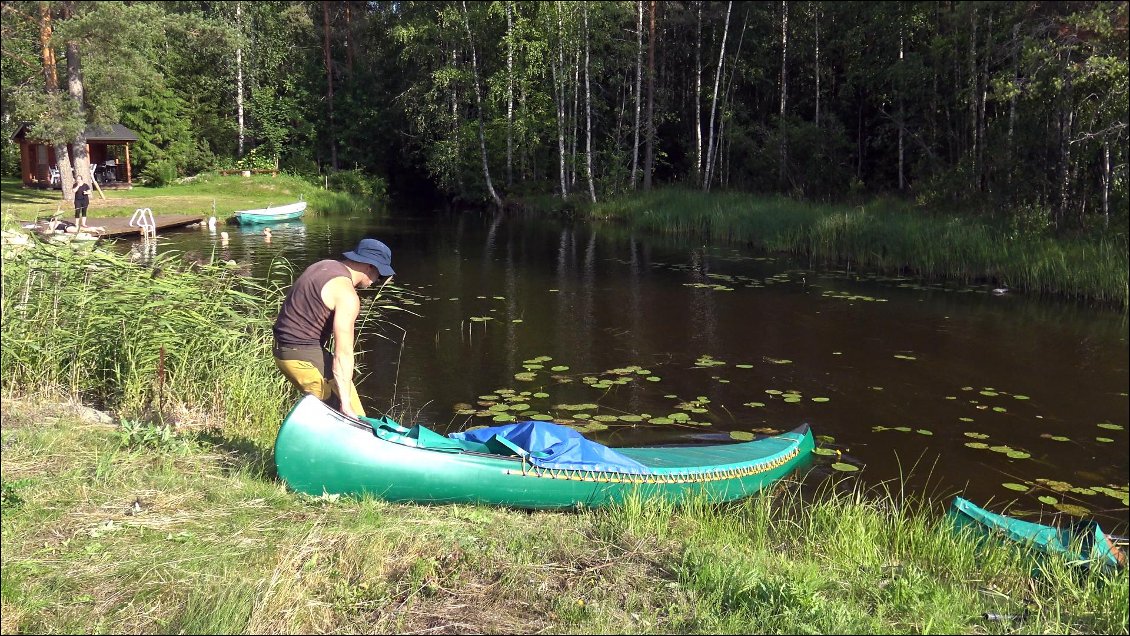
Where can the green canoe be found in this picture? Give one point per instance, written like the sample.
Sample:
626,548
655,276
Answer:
1083,542
320,451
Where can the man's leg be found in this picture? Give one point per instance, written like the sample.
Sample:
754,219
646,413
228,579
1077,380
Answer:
305,377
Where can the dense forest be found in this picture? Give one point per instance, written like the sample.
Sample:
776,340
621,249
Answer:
1004,107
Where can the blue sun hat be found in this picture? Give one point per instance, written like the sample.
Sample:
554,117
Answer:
375,253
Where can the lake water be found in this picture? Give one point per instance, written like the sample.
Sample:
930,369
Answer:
1002,397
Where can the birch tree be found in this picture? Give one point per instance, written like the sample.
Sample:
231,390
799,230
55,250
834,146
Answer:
588,109
239,76
479,104
783,167
509,94
714,102
639,86
649,153
329,80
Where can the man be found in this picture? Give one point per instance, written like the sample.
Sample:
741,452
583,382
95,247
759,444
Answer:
324,301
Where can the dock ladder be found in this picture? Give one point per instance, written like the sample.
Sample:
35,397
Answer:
143,219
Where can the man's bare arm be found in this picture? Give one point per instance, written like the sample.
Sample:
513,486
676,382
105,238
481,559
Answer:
347,306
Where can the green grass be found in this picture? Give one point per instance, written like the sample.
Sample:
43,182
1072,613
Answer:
889,237
217,545
228,193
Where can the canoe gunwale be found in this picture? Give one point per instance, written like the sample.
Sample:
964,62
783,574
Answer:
698,474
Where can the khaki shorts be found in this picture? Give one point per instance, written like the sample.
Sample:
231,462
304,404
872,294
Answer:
310,378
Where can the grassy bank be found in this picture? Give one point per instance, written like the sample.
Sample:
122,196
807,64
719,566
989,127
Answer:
195,196
890,238
116,528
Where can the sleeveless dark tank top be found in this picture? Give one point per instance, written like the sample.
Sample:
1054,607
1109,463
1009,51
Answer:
304,320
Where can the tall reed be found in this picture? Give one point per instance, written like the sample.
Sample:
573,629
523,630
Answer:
885,237
141,339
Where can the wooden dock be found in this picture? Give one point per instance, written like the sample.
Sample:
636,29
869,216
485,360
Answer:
119,226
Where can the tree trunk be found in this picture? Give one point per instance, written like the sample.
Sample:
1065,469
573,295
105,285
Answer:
649,152
329,80
708,173
509,94
1066,118
456,129
727,99
784,91
698,95
239,77
1012,99
575,116
80,154
639,87
51,83
1106,184
817,66
982,120
588,109
902,111
348,7
559,84
973,93
479,104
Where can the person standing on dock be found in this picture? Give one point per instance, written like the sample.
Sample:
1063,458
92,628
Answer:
324,302
82,200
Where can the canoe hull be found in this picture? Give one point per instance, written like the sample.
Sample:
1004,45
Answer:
270,215
319,451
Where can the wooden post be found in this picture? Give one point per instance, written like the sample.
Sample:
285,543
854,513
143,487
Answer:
129,174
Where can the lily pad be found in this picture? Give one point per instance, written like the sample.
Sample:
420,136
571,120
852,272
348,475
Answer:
755,404
977,445
1049,500
923,431
1073,509
527,376
1014,486
846,468
825,451
559,368
1110,426
976,435
743,436
1105,440
820,399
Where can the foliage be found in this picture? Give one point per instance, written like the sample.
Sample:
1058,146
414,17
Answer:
159,173
357,182
163,133
986,106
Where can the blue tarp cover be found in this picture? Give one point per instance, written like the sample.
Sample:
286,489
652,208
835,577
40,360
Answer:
551,445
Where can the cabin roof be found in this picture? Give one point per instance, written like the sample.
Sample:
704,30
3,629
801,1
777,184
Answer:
101,134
